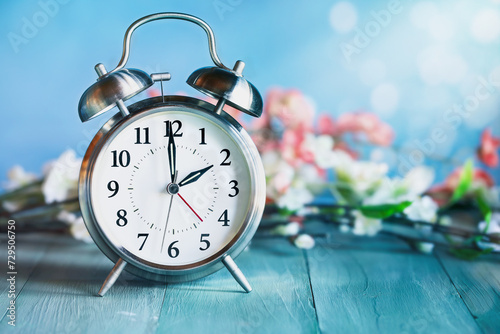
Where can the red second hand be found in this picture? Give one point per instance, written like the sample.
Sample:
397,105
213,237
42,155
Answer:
190,207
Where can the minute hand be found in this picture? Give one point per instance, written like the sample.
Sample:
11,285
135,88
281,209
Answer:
194,176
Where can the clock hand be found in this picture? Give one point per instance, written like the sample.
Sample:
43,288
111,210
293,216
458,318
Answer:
189,206
194,176
169,209
171,153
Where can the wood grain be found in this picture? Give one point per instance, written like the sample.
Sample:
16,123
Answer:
29,250
60,296
345,284
478,283
366,285
280,302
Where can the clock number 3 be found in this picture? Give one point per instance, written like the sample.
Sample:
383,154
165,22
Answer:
235,188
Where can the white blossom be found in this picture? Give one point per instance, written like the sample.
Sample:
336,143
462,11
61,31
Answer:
422,209
76,225
295,198
364,225
493,228
333,159
18,177
362,177
318,145
424,247
304,241
287,230
61,181
418,180
397,190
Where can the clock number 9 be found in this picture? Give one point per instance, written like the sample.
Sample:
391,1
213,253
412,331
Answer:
114,187
173,251
235,188
121,221
123,158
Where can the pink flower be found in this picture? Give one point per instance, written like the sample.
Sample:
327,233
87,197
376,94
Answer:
326,125
487,151
442,193
367,124
153,92
291,107
382,136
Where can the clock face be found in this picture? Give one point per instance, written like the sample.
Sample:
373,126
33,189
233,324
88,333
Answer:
171,188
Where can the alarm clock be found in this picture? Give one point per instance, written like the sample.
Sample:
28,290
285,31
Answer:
171,188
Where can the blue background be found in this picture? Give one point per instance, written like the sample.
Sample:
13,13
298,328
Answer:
417,64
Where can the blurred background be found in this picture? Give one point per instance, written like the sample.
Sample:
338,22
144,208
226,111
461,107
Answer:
431,70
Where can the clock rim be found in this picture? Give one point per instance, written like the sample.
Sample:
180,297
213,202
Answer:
233,248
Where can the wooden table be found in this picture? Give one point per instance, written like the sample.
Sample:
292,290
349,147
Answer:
345,284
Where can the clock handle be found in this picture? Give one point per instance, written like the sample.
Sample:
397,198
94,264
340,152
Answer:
113,275
171,15
236,272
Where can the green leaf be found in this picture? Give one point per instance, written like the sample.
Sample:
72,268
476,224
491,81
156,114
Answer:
384,210
485,209
468,253
464,182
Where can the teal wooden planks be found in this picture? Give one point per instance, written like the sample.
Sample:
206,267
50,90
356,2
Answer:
29,250
280,302
364,285
60,295
478,283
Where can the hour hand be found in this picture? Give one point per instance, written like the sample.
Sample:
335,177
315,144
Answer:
194,176
171,153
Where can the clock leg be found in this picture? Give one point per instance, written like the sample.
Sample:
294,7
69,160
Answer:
113,275
236,272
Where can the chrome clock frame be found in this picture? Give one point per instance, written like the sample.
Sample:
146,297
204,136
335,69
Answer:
182,273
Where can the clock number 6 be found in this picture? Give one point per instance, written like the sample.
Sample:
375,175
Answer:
173,251
235,188
121,221
207,243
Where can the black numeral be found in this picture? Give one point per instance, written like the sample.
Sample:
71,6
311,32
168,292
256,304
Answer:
223,218
225,162
202,140
121,221
123,158
206,242
176,132
172,250
235,188
138,136
114,187
145,236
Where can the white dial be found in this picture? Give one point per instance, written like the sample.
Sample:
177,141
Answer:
171,188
